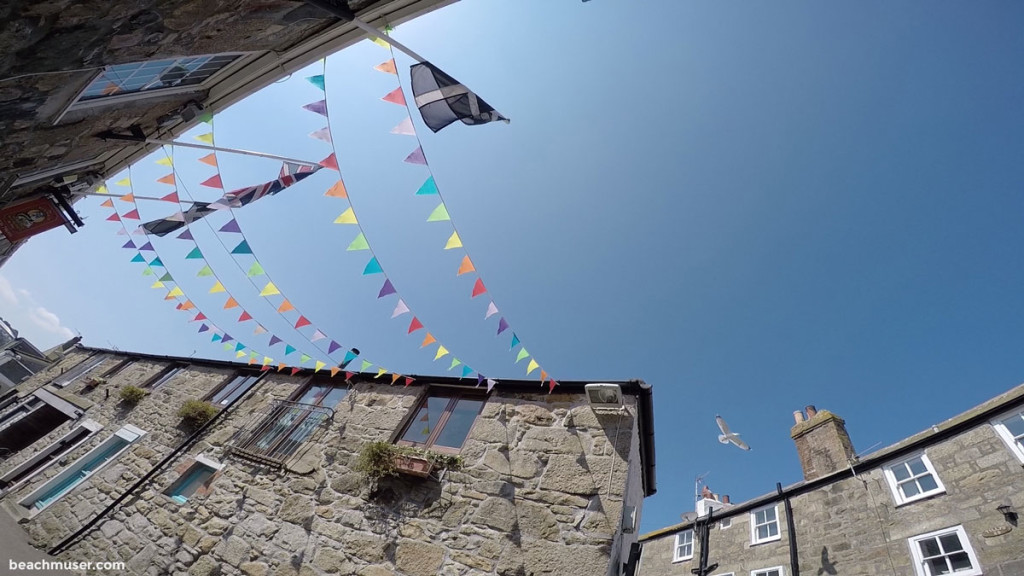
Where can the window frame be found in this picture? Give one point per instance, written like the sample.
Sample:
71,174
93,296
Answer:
765,571
894,484
117,368
676,557
241,377
918,559
79,370
1016,446
754,540
198,463
454,394
52,451
158,380
725,523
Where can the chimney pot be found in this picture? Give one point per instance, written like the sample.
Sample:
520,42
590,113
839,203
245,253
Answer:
811,411
725,499
798,416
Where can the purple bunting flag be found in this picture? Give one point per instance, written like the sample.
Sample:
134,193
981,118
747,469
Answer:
386,289
502,325
231,226
334,346
318,107
274,340
416,157
186,235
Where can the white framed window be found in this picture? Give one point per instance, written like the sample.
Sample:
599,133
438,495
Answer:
764,525
195,477
944,551
1010,427
48,455
912,479
83,469
683,549
776,571
725,523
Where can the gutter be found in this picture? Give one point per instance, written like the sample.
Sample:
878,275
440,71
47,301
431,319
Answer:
794,563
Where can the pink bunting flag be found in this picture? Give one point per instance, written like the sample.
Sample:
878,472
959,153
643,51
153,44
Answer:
199,316
172,197
323,134
114,217
386,289
133,215
213,182
122,232
400,309
395,97
478,288
245,316
409,380
387,67
176,217
140,231
318,107
491,310
416,157
259,329
404,128
330,162
317,335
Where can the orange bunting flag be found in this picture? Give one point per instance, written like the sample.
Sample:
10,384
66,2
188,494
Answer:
127,198
466,266
210,159
108,203
428,340
414,325
478,288
387,67
231,303
337,191
169,179
543,375
188,305
395,377
285,307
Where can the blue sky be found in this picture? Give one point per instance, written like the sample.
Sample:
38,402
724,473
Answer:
753,207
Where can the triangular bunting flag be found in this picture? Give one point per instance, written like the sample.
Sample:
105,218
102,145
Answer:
400,309
381,372
317,107
349,375
323,134
288,349
304,358
429,188
349,356
210,159
395,97
242,248
231,226
386,289
359,243
381,42
203,328
102,190
123,182
169,179
387,67
156,262
199,316
347,217
302,321
274,340
515,341
409,380
532,366
138,258
502,325
428,340
172,197
455,362
140,231
466,266
108,203
296,370
334,371
551,386
148,271
334,346
218,287
404,128
285,306
440,214
195,254
395,377
490,384
478,288
317,81
129,244
205,271
207,138
255,270
318,366
127,198
416,157
175,292
132,215
453,241
231,303
114,217
366,364
244,316
165,161
330,162
372,267
479,379
157,284
317,335
543,375
466,371
522,354
178,216
215,338
337,190
269,290
213,182
259,329
188,305
414,325
441,351
186,235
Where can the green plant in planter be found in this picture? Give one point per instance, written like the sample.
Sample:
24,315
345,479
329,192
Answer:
377,459
195,413
131,395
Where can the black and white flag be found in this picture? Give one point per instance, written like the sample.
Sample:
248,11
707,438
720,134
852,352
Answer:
442,100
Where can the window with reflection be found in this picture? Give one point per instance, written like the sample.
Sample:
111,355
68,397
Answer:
442,420
290,423
238,384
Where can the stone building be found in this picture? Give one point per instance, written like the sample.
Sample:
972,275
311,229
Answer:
71,70
529,483
945,501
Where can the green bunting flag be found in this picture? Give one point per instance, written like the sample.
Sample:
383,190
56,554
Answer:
256,270
359,243
455,362
166,278
366,365
440,214
205,271
304,358
522,354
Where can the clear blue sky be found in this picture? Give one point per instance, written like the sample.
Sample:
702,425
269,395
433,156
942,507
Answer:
752,206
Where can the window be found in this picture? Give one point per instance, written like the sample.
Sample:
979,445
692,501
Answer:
233,388
123,82
32,418
162,377
764,525
1010,428
724,523
197,476
15,372
116,368
684,546
287,424
79,370
89,464
48,455
725,574
442,420
913,479
777,571
944,552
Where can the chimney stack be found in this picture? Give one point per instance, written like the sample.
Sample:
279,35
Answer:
822,443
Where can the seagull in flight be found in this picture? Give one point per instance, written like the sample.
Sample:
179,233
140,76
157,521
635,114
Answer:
726,436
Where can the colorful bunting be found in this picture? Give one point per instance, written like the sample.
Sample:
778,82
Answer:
172,197
395,97
478,288
302,321
259,329
386,289
157,284
165,161
129,244
441,351
206,138
337,190
416,157
400,309
127,198
203,328
218,287
522,354
381,372
285,306
288,349
269,290
323,134
334,346
490,384
274,340
502,325
210,159
440,214
515,341
466,266
330,162
255,270
387,67
108,203
186,235
213,182
231,303
147,246
199,316
205,271
428,188
169,179
532,366
242,248
334,371
244,316
195,254
304,358
231,226
359,243
466,371
318,366
455,362
317,335
166,277
347,217
156,262
372,267
404,128
123,182
366,364
317,107
114,217
453,241
428,340
175,292
132,215
317,81
349,356
414,325
381,42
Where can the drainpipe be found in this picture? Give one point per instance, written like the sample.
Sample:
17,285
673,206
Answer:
794,563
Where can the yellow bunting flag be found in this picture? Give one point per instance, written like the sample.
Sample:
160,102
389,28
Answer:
428,340
207,138
124,182
532,366
441,351
381,372
176,291
347,217
165,161
218,287
157,284
466,266
269,290
453,242
102,189
267,360
239,354
381,42
337,191
318,366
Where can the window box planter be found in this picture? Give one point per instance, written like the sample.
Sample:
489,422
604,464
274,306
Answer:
413,465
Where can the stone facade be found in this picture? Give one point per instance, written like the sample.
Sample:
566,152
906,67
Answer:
849,522
543,487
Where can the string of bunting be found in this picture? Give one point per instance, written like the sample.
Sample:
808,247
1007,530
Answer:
430,189
174,289
270,289
361,243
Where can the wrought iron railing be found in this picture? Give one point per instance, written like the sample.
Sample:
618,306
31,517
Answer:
276,433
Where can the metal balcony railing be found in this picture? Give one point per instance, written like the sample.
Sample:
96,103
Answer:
276,433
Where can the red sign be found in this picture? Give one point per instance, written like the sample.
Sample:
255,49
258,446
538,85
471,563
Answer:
29,218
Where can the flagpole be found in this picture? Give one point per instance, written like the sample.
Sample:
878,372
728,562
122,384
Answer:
342,11
231,150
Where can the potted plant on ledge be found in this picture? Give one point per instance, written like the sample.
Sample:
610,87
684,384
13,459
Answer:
380,459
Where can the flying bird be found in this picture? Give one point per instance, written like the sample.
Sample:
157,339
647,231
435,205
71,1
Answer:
726,436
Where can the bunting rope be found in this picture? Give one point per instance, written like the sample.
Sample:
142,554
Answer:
442,214
271,288
175,293
361,242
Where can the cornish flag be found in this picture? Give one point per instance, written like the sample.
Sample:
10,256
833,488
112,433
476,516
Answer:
442,100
